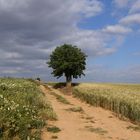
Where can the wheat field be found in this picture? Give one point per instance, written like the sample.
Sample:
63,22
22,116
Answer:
123,99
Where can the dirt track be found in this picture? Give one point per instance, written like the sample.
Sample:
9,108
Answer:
94,123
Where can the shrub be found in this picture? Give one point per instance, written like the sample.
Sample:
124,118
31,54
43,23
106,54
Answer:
21,103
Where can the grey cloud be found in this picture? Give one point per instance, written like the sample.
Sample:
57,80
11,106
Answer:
94,43
103,73
31,29
12,63
117,29
135,7
131,19
121,3
125,3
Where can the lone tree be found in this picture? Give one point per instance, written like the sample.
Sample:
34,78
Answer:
69,61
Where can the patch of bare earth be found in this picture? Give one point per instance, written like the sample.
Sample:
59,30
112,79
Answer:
80,121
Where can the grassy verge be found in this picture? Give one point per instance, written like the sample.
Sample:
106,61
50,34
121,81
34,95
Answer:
124,100
23,111
60,98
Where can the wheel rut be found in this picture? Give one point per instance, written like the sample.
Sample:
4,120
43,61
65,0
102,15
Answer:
80,121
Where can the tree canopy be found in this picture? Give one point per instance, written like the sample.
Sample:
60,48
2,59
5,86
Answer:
69,61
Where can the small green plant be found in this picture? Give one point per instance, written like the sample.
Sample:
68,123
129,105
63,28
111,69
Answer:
38,79
60,98
96,130
76,109
54,137
3,86
89,118
135,128
53,129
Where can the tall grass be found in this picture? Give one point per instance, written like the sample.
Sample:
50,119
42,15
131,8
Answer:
122,99
23,112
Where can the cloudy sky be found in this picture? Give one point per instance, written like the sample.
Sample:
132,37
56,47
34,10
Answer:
108,31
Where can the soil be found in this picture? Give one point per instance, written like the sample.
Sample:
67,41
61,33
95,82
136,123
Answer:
92,123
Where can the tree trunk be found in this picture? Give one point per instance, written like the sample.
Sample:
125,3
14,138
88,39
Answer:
68,81
68,84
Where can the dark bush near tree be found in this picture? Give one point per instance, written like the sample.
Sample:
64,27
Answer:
38,79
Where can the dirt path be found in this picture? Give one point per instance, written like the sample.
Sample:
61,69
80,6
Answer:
94,123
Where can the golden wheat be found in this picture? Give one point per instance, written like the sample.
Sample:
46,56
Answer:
123,99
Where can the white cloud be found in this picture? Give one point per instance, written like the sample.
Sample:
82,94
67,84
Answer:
131,19
92,8
105,73
121,3
94,43
117,29
135,7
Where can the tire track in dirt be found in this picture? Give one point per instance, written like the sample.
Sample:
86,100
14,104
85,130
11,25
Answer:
93,123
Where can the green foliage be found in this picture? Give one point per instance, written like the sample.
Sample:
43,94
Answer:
135,128
97,130
76,109
124,100
68,60
21,107
38,79
53,129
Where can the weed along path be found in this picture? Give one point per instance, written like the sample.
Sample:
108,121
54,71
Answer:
80,121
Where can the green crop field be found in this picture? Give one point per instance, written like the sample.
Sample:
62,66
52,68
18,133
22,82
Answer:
123,99
23,110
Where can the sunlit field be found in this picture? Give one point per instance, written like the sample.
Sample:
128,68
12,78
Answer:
123,99
23,111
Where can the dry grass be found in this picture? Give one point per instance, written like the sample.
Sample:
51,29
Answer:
97,130
60,98
76,109
123,99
